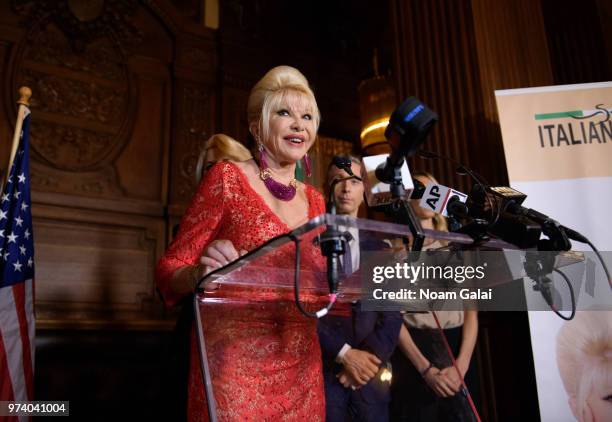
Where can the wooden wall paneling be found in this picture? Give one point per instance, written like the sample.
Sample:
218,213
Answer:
234,116
95,268
177,19
335,87
577,40
604,11
512,52
84,106
193,108
8,112
434,61
238,43
89,105
234,91
452,55
102,108
10,34
143,165
249,46
194,114
125,206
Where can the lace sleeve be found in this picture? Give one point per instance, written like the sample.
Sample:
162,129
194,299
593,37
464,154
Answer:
198,228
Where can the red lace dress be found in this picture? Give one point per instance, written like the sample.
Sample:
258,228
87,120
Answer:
265,360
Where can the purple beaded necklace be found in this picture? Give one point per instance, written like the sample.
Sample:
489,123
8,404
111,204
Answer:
277,189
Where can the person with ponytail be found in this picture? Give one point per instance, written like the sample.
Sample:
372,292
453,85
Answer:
426,386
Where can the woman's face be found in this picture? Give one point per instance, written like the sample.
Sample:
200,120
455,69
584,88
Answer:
599,402
292,129
421,213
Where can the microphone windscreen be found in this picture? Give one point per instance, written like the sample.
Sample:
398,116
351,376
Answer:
411,122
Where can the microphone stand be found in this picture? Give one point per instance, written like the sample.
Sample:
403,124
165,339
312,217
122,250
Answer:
401,212
539,266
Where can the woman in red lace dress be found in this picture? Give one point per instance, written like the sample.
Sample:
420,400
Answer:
268,366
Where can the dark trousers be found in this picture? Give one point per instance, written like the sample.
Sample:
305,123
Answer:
345,404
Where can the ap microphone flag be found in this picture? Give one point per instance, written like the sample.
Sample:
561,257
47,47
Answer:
437,197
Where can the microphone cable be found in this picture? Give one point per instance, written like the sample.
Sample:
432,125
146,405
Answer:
482,183
296,287
464,388
573,299
603,263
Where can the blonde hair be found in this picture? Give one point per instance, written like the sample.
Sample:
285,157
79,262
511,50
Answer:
584,355
439,221
272,91
227,148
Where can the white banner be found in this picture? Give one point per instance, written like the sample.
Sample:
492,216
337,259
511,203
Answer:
558,148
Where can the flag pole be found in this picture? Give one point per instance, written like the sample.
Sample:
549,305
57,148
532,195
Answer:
24,101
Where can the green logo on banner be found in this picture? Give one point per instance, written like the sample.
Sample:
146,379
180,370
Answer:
570,133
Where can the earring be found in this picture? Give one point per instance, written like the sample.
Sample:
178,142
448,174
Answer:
262,156
307,165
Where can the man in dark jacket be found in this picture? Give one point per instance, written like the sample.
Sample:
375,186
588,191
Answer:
356,346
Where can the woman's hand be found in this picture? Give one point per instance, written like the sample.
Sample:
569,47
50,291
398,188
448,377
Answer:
440,383
218,254
451,373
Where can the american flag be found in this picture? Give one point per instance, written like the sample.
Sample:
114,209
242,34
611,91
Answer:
17,278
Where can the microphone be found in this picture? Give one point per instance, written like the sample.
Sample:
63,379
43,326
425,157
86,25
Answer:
500,207
511,201
408,127
418,190
344,163
332,241
387,176
540,218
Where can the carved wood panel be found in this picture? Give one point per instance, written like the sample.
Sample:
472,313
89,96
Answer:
91,86
122,100
234,121
95,266
84,107
195,120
